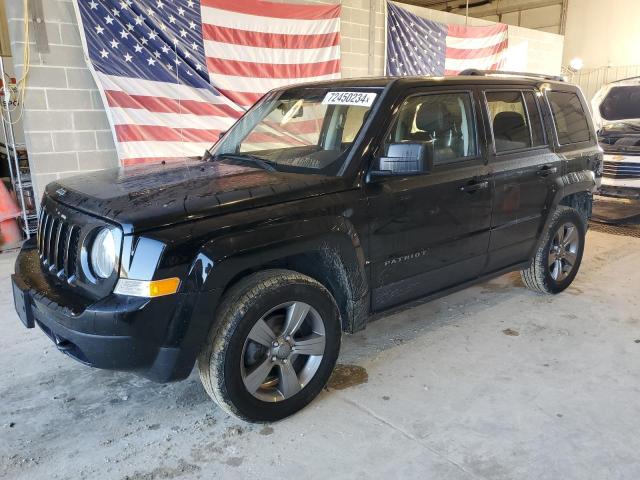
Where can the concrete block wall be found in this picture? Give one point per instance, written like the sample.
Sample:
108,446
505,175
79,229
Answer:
65,126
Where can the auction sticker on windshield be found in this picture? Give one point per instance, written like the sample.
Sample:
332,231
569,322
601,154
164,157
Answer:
362,99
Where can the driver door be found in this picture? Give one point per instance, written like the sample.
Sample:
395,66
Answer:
429,227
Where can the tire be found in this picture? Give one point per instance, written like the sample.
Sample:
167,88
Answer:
236,355
552,269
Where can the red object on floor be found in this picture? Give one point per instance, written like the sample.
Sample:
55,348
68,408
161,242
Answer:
9,231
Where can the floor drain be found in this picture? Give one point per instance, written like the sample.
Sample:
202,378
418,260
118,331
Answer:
625,230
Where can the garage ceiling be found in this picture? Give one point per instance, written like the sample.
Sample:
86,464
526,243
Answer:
544,15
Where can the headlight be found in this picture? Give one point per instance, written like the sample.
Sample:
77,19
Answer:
104,253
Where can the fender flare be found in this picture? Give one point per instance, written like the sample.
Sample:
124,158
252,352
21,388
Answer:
568,184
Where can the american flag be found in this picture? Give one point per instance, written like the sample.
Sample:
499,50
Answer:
417,46
175,73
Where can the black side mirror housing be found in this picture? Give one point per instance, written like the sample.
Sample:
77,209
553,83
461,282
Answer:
405,158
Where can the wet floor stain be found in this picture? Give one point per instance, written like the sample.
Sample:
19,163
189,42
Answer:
345,376
234,461
511,332
266,430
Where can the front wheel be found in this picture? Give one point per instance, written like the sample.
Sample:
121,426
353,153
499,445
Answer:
273,346
558,258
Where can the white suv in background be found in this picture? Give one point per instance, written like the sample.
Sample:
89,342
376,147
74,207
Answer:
616,112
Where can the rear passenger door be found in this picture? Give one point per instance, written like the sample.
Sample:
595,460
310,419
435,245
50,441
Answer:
523,169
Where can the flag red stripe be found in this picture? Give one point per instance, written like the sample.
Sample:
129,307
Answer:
463,31
466,53
273,138
241,98
120,99
276,10
146,133
268,40
271,70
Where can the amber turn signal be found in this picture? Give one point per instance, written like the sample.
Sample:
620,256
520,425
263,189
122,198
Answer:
147,288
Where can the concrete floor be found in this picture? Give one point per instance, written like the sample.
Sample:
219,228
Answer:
449,395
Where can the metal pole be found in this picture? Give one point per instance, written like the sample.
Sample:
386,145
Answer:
12,138
466,19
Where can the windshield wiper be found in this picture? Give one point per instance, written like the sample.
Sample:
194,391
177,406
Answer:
245,157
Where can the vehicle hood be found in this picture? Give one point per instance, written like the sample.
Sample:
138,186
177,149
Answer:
143,197
617,102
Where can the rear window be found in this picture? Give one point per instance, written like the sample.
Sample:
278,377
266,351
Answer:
621,103
569,117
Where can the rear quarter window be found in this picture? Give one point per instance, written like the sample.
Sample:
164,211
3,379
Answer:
569,117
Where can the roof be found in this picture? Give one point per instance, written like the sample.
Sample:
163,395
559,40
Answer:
409,81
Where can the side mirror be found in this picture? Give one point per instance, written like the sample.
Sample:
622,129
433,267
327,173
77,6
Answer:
403,159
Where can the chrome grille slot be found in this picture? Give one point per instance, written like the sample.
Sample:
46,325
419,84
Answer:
621,170
52,236
44,253
58,243
72,250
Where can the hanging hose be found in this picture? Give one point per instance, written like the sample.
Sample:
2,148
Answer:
21,84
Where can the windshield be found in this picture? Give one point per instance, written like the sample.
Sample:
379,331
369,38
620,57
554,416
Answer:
621,103
308,130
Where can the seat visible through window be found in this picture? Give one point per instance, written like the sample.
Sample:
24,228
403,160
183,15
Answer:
510,131
446,120
509,120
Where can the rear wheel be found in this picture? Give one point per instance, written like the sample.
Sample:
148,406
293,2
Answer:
558,258
273,347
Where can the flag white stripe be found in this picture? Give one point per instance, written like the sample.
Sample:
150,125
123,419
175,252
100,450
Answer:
461,64
474,43
134,116
260,85
162,149
243,21
288,56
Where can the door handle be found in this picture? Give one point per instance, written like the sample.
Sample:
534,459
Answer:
472,187
547,170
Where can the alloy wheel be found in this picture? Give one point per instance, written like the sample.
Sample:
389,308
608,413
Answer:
283,351
563,251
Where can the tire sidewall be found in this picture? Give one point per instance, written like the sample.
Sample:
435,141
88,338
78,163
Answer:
244,402
566,216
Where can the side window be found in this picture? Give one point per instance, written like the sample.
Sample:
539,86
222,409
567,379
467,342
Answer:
509,120
445,120
537,131
569,117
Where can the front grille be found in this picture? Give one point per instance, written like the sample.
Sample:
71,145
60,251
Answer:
58,242
621,170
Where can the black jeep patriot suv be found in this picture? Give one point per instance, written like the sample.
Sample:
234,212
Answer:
324,204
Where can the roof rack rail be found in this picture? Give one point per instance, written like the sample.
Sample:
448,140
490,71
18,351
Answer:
474,71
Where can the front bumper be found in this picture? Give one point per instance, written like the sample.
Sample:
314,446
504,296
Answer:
116,333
